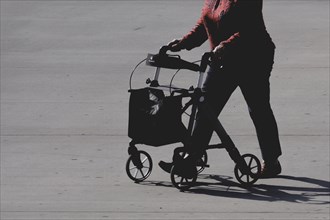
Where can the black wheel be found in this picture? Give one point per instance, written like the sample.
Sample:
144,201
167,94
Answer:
139,166
201,163
183,176
254,170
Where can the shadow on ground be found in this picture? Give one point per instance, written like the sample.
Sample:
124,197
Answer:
294,189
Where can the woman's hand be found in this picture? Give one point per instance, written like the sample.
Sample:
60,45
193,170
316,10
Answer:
219,51
174,45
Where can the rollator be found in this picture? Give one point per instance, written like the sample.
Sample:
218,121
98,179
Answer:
155,119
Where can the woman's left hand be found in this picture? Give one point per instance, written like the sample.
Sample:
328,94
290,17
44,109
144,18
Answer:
219,51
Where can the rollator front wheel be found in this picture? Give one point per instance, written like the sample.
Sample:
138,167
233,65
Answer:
183,176
254,170
139,166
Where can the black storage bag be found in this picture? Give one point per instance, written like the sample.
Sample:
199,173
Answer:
155,119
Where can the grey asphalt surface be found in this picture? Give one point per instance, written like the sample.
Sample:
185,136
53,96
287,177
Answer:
65,67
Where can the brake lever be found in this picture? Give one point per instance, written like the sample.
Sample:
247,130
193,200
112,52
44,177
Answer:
174,55
163,50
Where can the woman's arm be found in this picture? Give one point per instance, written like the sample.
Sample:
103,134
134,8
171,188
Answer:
196,37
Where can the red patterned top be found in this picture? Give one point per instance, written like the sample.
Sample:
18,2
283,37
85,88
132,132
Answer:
236,23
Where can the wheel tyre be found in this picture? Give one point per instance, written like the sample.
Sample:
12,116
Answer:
180,181
254,167
139,173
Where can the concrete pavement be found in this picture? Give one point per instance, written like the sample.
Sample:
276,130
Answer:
65,67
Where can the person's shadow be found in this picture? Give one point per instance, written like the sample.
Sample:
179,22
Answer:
297,189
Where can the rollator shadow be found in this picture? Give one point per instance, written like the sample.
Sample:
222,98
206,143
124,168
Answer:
224,186
317,193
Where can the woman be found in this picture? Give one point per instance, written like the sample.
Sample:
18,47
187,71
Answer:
239,40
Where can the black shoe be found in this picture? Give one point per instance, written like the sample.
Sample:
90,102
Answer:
270,170
165,166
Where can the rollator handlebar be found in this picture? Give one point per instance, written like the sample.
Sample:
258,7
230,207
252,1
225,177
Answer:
164,60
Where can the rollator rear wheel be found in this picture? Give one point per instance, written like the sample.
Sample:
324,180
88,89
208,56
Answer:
183,177
254,168
139,166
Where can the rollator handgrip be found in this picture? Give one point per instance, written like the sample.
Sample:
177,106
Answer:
170,62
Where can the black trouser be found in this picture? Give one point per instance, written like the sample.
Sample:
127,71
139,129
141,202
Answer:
252,77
